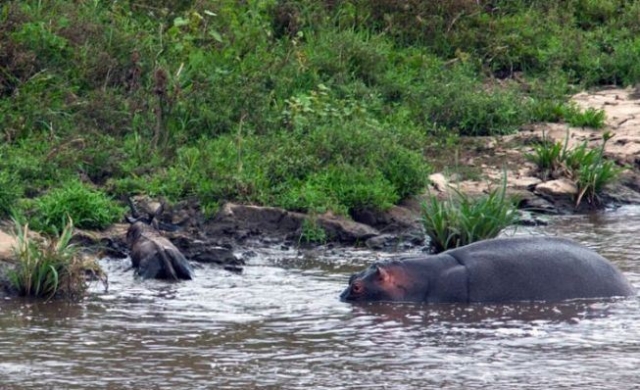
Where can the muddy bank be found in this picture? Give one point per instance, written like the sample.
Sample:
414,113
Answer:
224,238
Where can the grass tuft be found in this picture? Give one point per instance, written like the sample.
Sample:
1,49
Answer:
461,219
90,209
50,268
586,167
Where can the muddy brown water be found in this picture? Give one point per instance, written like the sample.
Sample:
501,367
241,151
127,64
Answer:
280,325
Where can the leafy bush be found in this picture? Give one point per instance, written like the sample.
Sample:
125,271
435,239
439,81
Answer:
461,220
90,209
49,268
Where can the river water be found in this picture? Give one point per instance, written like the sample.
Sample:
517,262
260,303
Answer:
280,325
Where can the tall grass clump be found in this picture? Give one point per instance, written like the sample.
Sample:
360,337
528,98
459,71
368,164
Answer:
312,232
587,167
89,208
549,157
593,171
461,219
589,117
48,268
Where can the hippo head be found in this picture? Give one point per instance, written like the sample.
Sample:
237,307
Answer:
379,282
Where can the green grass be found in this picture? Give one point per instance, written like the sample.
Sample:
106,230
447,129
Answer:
585,166
548,156
461,219
312,232
589,117
283,103
594,172
49,268
90,209
10,192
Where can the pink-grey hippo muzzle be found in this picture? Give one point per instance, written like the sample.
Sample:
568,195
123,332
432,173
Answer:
495,270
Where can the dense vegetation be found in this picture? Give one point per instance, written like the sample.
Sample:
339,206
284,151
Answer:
308,105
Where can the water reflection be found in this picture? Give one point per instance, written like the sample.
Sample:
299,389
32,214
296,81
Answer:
280,325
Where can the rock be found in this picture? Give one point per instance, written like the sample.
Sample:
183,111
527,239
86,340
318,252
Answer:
557,188
537,204
253,220
396,219
395,242
524,183
439,182
110,242
7,245
345,231
382,241
215,255
527,218
244,221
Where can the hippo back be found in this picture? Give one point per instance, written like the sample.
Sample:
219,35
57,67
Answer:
537,268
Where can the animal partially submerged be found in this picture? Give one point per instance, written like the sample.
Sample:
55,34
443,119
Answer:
152,255
498,270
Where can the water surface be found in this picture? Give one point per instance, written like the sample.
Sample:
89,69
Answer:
280,325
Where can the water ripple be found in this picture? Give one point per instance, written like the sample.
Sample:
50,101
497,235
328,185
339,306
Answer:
280,325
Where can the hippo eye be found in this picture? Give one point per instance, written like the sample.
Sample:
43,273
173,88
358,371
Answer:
357,288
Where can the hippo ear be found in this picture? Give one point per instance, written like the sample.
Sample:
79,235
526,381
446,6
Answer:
382,273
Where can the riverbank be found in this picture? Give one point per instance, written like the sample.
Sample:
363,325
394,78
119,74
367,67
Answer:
216,239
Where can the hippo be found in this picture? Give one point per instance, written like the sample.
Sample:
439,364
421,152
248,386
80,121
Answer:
492,271
152,255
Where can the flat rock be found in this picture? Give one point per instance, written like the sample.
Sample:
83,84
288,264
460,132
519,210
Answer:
344,230
557,188
7,245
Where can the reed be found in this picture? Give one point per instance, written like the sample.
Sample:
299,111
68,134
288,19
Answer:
48,268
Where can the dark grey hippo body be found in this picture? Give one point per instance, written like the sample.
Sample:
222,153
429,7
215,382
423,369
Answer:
154,256
496,270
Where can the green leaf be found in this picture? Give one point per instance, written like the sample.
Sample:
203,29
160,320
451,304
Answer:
179,22
216,35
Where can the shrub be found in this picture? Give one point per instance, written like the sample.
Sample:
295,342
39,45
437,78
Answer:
50,268
461,220
92,209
